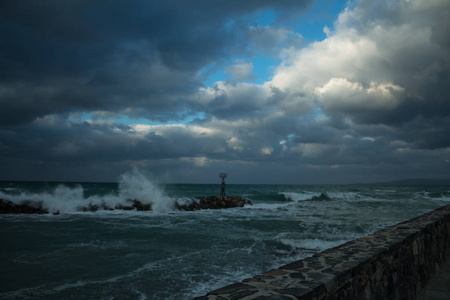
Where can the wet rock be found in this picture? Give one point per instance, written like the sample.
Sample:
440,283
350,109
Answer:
134,204
213,202
131,204
94,207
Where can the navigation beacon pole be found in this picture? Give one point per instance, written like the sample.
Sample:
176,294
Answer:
222,189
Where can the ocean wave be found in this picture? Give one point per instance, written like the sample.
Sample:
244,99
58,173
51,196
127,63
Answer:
294,201
432,196
327,196
299,196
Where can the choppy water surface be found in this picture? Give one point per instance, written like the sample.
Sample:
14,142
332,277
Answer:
168,254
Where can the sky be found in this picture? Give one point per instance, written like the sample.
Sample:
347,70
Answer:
283,92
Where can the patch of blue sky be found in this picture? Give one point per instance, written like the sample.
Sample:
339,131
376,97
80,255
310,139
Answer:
212,74
264,67
181,120
128,120
80,117
318,113
311,24
265,18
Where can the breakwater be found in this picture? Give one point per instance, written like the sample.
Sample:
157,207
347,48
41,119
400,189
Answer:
393,263
190,204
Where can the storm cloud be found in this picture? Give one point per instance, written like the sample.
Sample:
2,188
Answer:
89,89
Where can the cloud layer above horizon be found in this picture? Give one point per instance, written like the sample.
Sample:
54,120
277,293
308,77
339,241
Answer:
89,89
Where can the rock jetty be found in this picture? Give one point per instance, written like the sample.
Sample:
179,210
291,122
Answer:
35,207
196,203
213,202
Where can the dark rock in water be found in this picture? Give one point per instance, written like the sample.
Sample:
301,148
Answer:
94,207
213,202
134,204
26,207
131,205
30,207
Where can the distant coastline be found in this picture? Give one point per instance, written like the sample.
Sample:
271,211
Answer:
415,181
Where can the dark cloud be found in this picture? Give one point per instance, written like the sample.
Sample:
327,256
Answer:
82,84
62,56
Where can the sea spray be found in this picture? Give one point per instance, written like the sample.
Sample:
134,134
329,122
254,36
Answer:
60,199
134,185
133,188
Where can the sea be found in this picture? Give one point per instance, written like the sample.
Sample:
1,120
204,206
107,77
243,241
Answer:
171,254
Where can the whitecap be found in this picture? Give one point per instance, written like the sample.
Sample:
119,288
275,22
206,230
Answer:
295,196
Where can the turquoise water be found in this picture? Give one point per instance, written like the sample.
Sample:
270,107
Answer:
169,254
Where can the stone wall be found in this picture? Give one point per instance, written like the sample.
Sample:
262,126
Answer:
393,263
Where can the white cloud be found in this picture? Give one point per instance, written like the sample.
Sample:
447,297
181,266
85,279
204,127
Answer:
235,144
241,71
340,94
380,56
266,150
327,31
337,56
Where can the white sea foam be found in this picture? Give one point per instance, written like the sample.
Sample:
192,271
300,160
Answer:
9,189
62,199
311,244
346,196
268,206
441,197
